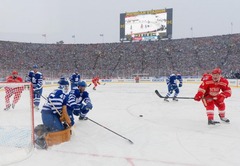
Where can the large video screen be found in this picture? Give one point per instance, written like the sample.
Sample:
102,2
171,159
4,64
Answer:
146,25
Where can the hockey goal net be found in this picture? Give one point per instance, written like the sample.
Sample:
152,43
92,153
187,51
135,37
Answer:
16,122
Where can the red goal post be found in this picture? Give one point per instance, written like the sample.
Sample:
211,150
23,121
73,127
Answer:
16,122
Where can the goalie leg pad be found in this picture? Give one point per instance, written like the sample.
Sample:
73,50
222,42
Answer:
54,138
40,132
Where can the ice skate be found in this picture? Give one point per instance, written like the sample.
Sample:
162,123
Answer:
166,99
13,106
212,122
175,99
82,118
94,88
7,107
40,143
224,119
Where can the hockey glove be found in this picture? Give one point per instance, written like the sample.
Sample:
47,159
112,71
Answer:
220,98
198,97
89,106
65,117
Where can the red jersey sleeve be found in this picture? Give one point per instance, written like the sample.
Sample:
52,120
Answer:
202,89
226,90
206,76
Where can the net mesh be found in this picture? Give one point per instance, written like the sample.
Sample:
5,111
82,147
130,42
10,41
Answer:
16,122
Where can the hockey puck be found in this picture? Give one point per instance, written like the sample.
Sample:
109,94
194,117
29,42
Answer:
140,115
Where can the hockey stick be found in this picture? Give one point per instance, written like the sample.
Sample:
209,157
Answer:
90,84
110,130
159,95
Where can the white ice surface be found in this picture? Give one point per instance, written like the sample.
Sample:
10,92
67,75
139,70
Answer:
174,133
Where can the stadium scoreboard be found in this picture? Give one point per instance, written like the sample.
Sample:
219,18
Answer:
148,25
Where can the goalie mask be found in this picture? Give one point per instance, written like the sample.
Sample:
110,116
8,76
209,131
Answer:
63,84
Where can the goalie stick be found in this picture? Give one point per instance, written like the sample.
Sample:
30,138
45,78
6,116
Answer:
159,95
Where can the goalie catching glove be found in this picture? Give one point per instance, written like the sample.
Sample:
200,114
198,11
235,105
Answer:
64,117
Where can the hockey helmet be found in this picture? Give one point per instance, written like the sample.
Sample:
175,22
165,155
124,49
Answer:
63,84
217,71
82,84
14,72
35,66
63,81
76,70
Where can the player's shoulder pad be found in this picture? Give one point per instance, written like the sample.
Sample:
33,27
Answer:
39,73
60,94
208,81
76,92
224,80
30,73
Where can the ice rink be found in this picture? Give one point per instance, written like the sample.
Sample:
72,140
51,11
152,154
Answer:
174,133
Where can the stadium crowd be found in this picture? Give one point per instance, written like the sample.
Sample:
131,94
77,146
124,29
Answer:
190,57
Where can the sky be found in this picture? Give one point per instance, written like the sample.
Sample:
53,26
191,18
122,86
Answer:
27,20
167,134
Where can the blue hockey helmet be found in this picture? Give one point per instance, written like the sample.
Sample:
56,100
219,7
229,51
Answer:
63,81
82,84
35,66
63,84
76,70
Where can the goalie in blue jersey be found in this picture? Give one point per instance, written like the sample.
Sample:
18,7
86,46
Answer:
56,127
55,107
173,82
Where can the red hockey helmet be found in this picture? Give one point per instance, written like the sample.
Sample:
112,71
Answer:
14,72
217,71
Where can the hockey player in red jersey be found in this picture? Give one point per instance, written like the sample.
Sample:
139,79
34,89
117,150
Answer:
95,82
213,92
16,91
